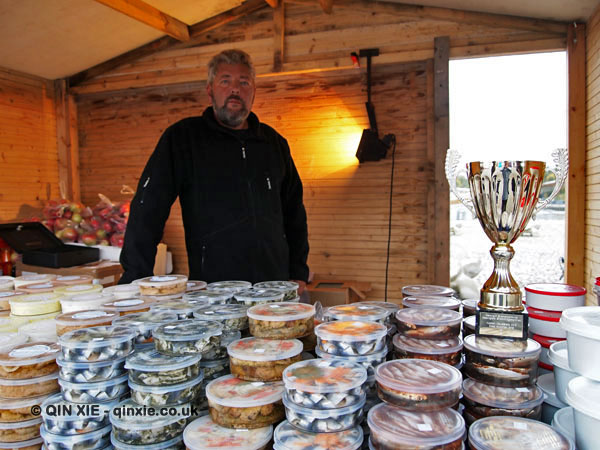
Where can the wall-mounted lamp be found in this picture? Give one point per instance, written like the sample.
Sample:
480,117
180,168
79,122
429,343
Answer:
370,147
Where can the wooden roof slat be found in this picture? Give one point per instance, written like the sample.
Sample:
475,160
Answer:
148,14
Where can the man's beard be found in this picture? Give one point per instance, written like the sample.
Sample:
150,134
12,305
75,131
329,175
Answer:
230,118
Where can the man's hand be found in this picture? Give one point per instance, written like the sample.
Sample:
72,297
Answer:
301,286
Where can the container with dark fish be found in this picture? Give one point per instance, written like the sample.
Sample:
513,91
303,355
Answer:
63,417
232,317
229,286
287,437
200,298
214,369
172,394
369,362
351,338
187,337
251,297
428,323
289,288
444,350
172,444
182,309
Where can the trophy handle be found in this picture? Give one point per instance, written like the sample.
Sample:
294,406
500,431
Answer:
560,156
452,161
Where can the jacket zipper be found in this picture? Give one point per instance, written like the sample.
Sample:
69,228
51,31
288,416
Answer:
269,183
144,190
202,259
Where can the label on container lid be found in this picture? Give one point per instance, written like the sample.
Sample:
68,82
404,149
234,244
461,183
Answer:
204,434
223,312
351,331
162,279
40,286
420,376
324,376
287,437
195,285
31,353
427,346
503,348
358,312
556,289
255,349
236,393
281,311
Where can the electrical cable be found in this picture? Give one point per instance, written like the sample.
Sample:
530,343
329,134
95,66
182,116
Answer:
387,260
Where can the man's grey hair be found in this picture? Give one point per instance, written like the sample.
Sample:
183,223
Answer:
233,56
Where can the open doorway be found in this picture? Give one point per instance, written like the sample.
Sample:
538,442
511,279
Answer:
508,108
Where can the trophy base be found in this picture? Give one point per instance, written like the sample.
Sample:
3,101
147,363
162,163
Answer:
505,324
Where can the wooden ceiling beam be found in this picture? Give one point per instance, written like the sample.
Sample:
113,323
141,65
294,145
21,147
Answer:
273,3
326,6
149,15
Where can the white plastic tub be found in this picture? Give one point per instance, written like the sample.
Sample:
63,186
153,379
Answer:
551,402
564,422
583,340
554,296
583,395
559,357
545,323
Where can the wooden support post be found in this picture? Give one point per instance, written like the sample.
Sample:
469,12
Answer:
441,144
575,217
279,37
67,142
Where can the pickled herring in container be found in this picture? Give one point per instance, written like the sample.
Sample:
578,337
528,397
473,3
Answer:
97,344
128,305
287,437
96,440
360,312
97,392
236,403
421,290
163,285
281,320
187,337
151,368
254,359
30,360
232,317
34,304
251,297
204,434
432,302
418,384
369,362
428,323
65,418
351,338
448,351
171,394
324,384
394,428
289,288
229,286
83,319
144,323
90,372
207,297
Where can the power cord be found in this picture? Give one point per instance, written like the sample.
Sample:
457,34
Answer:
389,139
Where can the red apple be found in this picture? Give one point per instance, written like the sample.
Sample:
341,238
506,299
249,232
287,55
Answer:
117,239
95,223
89,238
61,223
69,234
59,233
67,214
107,227
104,242
101,234
86,212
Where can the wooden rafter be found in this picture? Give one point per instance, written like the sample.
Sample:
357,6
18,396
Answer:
278,37
148,14
273,3
168,42
326,6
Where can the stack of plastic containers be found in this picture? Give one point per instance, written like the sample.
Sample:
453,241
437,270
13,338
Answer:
92,373
28,375
144,324
33,307
7,283
35,278
288,288
204,434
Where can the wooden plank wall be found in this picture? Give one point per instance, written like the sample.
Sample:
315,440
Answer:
592,215
28,151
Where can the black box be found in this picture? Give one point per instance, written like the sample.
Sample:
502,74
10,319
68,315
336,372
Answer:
40,247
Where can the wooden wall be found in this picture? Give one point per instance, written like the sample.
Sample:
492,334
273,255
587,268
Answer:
317,102
28,149
592,214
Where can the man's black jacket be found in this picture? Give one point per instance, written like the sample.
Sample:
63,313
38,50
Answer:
241,202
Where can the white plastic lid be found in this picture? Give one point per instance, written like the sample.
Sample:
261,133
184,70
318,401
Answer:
431,302
31,353
502,348
123,290
24,280
584,321
283,311
120,417
146,319
78,289
265,295
289,438
418,376
419,290
34,300
171,444
583,394
10,340
358,311
74,279
564,421
86,301
220,312
204,434
559,355
162,280
209,297
556,289
96,337
428,346
229,286
149,360
86,318
415,429
351,331
324,376
429,317
391,307
128,304
195,285
166,389
235,393
255,349
501,396
187,330
546,383
510,433
281,285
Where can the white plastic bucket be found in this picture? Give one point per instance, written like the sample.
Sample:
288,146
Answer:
551,402
559,357
583,340
563,421
583,395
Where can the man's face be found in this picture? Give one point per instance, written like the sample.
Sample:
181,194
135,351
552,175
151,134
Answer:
232,94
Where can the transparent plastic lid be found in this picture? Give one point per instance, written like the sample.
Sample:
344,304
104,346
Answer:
166,389
34,300
252,295
74,279
470,303
324,376
35,288
583,394
503,397
180,306
429,317
204,434
235,393
30,353
98,385
391,307
123,290
195,285
28,381
370,357
37,330
420,376
431,302
358,311
503,348
149,360
410,429
75,440
419,290
556,289
220,312
510,433
558,354
17,403
470,322
78,289
324,413
162,281
208,297
129,415
94,298
6,295
54,406
18,425
96,337
229,286
174,443
214,363
289,438
351,331
281,285
584,321
89,365
255,349
428,346
33,278
128,304
83,318
146,319
283,311
36,442
10,340
187,330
